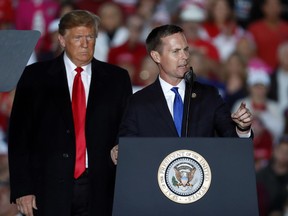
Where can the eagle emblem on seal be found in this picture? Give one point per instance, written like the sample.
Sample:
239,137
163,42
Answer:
184,174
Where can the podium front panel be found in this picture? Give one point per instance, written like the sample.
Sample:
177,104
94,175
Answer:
232,190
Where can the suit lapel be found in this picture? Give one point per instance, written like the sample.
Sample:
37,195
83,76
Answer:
97,85
185,112
60,90
158,98
195,97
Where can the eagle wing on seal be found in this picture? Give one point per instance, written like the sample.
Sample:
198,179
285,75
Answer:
177,174
191,174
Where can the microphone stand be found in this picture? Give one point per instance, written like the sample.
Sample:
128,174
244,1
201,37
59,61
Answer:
189,78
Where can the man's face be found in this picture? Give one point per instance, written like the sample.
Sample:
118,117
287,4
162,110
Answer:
173,58
79,44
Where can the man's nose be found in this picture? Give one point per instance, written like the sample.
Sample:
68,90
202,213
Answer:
84,42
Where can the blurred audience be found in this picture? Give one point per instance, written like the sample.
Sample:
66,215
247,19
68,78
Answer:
198,61
191,18
128,6
37,15
112,30
266,110
7,14
200,64
256,13
222,27
146,9
268,122
56,49
263,144
6,100
269,32
273,180
90,5
6,208
286,121
246,46
234,76
242,9
130,55
3,157
148,73
279,79
160,17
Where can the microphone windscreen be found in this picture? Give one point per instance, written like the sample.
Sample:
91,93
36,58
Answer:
189,76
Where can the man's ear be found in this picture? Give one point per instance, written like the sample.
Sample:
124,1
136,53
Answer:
155,56
61,40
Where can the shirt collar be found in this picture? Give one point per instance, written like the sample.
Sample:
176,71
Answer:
70,66
166,87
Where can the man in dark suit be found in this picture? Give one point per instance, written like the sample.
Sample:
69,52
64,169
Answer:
151,111
46,128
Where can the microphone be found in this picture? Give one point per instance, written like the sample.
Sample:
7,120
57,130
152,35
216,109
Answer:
189,78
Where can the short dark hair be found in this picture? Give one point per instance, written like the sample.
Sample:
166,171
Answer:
154,42
77,18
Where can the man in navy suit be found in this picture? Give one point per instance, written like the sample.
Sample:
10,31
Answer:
150,111
43,132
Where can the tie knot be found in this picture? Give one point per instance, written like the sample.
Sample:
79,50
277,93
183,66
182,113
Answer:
175,90
78,70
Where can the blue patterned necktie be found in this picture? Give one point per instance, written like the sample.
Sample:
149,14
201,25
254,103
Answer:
177,110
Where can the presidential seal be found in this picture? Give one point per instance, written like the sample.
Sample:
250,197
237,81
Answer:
184,176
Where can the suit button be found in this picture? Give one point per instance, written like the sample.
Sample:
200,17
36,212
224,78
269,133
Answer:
65,155
68,131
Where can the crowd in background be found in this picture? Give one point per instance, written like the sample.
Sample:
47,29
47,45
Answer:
239,46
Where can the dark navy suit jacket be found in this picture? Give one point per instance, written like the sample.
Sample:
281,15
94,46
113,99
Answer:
147,114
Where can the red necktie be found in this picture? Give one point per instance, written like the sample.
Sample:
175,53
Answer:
79,115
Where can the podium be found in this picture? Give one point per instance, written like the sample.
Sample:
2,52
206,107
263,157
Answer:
185,176
16,47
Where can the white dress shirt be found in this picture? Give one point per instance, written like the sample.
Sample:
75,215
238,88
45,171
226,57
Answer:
71,73
170,95
86,79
